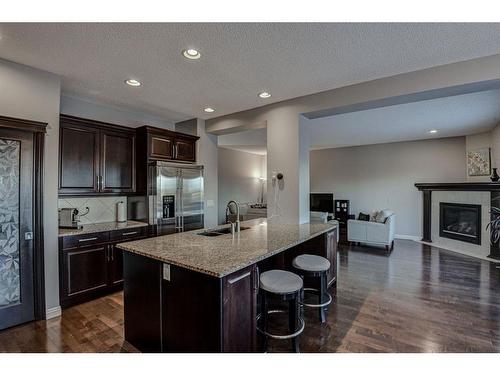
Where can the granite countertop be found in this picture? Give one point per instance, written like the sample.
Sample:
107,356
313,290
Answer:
222,255
101,227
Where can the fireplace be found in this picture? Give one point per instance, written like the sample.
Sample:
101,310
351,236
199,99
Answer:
460,222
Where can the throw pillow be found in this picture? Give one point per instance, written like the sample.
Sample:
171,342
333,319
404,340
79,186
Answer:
383,215
363,217
373,215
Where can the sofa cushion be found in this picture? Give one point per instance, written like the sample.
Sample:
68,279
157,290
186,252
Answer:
363,217
383,215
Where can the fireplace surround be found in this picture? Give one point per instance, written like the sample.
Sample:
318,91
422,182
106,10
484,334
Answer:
493,189
460,221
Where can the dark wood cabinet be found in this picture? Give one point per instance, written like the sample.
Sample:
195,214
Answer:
91,265
78,159
161,147
116,265
331,255
239,298
161,144
95,158
185,150
117,162
85,270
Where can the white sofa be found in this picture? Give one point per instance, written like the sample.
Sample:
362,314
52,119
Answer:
373,232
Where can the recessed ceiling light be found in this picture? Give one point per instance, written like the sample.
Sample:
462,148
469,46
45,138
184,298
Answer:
264,95
209,110
133,82
191,54
433,131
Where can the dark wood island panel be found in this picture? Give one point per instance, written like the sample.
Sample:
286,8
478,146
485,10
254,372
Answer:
174,309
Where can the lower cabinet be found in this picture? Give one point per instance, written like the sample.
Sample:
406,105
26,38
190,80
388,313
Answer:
92,265
85,270
331,255
116,265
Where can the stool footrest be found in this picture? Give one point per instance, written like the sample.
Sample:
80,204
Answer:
316,304
282,337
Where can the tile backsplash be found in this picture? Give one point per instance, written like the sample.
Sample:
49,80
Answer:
101,209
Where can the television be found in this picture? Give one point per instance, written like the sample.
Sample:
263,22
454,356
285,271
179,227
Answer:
322,202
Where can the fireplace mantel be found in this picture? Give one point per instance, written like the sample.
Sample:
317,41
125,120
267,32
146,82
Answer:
458,186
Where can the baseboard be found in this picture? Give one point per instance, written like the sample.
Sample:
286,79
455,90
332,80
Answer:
53,312
407,237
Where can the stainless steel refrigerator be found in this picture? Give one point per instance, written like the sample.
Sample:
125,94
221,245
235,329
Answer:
176,197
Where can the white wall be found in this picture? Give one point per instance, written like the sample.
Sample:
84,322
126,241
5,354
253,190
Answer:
86,108
383,176
34,95
239,174
495,152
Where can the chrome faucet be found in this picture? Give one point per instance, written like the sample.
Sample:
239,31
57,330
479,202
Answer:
235,227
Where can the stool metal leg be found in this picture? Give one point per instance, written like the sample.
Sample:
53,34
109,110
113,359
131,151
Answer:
264,316
321,294
293,315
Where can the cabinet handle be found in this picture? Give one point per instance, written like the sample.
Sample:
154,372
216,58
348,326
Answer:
129,233
88,239
111,253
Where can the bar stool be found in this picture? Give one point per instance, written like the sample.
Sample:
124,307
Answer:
284,286
314,266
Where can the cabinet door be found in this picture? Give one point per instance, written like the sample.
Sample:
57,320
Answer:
85,270
240,310
331,255
117,162
185,150
161,147
116,265
79,159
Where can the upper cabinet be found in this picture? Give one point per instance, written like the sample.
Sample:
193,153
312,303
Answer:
161,144
95,157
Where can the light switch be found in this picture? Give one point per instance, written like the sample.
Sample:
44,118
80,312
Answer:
210,203
166,272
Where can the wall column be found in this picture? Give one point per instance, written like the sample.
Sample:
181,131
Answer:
287,153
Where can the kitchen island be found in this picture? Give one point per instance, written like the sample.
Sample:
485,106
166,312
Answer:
190,292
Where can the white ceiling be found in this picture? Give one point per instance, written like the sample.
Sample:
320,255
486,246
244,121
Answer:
238,60
451,116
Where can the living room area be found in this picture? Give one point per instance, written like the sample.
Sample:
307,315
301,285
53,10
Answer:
450,146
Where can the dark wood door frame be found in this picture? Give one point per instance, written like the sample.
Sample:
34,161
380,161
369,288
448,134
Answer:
38,129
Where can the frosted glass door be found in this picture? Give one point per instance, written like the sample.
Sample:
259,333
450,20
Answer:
16,228
10,284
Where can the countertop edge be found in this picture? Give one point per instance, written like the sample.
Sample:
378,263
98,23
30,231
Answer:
79,232
123,246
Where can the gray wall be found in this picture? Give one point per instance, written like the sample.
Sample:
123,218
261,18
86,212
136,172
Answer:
239,174
383,176
34,95
207,156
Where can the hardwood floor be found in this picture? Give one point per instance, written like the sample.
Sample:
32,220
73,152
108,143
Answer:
95,326
417,299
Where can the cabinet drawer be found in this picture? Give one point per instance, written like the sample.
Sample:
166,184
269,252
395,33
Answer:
128,234
84,239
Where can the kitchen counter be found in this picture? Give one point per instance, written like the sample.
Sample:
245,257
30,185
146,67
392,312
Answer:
191,293
221,255
100,227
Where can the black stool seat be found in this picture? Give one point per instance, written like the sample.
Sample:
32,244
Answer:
280,282
314,268
283,286
311,263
